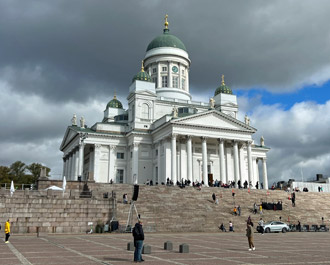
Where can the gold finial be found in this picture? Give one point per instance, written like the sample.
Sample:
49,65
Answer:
114,94
142,68
166,23
222,80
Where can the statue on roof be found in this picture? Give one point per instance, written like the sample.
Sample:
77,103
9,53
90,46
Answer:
74,120
262,141
247,120
175,112
211,103
82,122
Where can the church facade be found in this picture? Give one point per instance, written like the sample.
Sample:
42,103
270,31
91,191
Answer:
164,134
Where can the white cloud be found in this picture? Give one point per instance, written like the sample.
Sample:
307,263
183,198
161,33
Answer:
299,138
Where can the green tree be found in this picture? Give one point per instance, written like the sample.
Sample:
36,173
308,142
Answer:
4,174
35,169
17,171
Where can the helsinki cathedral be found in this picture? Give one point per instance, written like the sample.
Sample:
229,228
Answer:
164,134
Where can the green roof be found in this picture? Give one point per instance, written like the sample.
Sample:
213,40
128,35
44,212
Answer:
166,40
115,103
224,89
143,76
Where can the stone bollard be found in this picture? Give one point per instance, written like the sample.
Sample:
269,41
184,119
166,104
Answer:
130,246
184,248
146,249
168,245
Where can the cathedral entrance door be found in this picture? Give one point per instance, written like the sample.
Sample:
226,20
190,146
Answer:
210,179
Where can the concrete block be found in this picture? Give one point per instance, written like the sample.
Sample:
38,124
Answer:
146,249
168,245
184,248
130,246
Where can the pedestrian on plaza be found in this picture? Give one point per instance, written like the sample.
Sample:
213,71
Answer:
239,210
255,208
235,211
293,199
261,226
213,197
299,226
231,227
7,231
138,241
249,234
222,228
260,209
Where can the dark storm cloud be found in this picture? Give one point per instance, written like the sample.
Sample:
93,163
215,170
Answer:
79,49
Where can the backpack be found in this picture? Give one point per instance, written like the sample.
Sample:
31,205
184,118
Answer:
135,231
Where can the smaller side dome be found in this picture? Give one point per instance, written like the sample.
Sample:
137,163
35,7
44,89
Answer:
142,75
223,88
115,103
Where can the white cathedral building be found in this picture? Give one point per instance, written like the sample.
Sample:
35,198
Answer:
164,134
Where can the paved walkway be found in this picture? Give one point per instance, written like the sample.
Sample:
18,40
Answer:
217,248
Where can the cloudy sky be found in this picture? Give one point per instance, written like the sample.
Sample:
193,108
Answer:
63,57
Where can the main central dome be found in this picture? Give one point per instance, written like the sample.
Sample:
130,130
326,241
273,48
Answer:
166,40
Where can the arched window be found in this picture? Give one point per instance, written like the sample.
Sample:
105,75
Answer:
145,111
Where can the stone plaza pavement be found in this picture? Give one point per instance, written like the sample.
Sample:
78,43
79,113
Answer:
205,248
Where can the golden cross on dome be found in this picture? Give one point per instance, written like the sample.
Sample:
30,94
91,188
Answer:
142,68
166,23
222,80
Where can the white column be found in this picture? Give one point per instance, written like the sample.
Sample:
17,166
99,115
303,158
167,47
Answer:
222,161
73,166
135,164
160,177
264,171
159,77
67,166
76,165
236,167
173,164
242,167
189,158
187,80
250,169
167,169
170,74
204,157
183,160
111,164
81,159
97,148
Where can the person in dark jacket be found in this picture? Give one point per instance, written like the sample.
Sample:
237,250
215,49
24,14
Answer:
138,241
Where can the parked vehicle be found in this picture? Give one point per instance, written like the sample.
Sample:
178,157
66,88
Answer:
276,226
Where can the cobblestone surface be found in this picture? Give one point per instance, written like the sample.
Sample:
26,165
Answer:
205,248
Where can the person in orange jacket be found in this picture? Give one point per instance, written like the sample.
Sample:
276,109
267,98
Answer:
7,231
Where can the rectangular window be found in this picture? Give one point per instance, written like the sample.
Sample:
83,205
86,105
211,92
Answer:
183,84
154,70
156,152
175,81
154,80
164,69
164,81
131,154
182,72
120,155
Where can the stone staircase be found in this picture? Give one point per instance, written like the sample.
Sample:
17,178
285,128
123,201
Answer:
172,209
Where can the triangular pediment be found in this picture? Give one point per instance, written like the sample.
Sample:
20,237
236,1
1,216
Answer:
69,135
214,119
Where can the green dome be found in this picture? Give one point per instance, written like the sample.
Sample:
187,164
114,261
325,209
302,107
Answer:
115,103
143,76
223,88
166,40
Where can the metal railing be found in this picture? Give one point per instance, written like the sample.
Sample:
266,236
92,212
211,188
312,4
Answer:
18,186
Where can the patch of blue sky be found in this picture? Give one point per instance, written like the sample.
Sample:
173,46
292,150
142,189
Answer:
315,93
